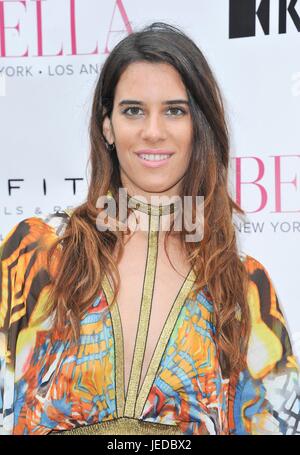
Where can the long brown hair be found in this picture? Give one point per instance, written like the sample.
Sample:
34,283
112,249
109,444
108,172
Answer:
85,254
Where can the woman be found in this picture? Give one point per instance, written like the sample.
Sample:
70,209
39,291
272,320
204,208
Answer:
111,328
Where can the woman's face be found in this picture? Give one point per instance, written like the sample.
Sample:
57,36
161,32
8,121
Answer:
151,116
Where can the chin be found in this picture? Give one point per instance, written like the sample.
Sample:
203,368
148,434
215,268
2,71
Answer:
155,189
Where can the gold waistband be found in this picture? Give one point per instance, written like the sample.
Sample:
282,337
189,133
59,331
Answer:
122,426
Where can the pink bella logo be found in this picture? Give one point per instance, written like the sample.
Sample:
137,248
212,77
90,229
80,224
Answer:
18,5
283,196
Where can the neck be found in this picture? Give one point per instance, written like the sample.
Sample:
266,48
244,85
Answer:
144,214
164,208
159,207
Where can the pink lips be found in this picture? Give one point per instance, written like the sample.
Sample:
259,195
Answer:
158,163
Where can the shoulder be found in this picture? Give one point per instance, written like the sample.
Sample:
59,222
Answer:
254,268
58,221
260,283
24,273
33,232
262,296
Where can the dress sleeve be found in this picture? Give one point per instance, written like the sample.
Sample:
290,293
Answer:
265,397
22,278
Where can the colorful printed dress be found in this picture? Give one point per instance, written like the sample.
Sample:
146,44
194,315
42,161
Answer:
48,385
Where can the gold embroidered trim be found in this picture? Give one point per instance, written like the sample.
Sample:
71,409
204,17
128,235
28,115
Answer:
144,317
122,426
131,404
119,347
160,209
162,342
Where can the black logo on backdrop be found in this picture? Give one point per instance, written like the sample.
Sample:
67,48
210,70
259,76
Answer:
13,185
244,15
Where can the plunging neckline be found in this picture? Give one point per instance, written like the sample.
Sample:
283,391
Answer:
128,405
131,403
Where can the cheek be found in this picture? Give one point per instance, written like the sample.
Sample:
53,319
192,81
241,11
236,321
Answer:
184,133
125,135
125,143
186,141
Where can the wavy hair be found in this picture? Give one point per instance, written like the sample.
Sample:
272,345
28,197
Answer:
85,254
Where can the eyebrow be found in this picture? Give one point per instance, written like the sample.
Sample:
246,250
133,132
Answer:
140,103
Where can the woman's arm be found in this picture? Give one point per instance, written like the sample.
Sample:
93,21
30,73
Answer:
23,279
265,397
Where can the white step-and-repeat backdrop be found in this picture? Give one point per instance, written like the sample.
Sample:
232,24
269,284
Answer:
51,52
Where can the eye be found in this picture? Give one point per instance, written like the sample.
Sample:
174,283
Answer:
134,108
181,111
134,111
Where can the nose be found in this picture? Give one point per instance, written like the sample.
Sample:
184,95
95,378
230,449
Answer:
153,128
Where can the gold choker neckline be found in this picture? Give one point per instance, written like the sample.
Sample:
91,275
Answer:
142,206
145,207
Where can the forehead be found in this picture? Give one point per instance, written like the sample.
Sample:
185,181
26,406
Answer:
145,80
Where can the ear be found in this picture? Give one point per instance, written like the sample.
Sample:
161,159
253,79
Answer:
107,130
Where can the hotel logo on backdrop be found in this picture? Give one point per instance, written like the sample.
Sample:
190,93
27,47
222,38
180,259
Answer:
246,15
